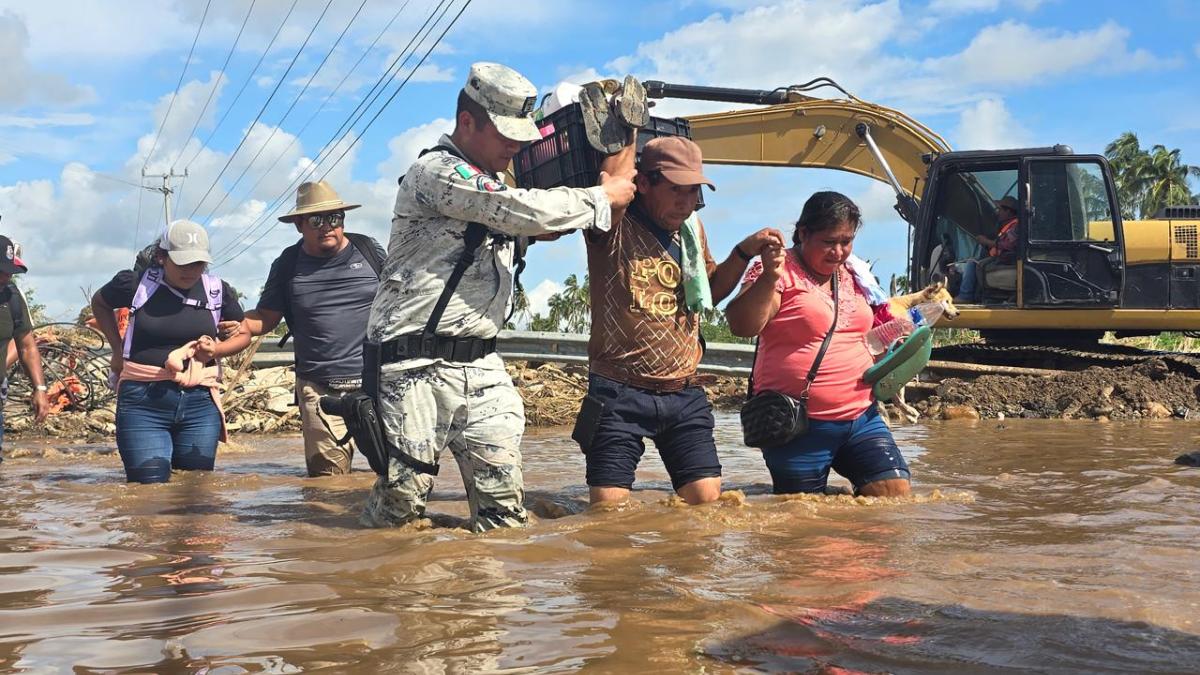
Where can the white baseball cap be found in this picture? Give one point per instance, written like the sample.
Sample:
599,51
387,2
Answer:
185,242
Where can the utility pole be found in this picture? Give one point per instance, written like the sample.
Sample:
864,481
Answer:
166,190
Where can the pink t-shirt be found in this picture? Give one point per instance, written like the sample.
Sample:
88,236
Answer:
790,341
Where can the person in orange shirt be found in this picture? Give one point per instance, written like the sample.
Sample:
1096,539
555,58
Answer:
1002,250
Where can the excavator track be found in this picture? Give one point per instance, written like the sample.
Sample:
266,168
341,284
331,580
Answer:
1067,358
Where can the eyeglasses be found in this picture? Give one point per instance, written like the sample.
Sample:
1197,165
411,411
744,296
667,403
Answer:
316,220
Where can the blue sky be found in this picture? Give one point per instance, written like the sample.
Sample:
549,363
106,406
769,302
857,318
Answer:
86,85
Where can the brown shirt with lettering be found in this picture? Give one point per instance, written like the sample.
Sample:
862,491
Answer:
642,332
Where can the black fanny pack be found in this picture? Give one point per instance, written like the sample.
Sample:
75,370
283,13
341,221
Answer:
770,418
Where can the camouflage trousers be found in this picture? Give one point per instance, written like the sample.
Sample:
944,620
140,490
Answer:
475,412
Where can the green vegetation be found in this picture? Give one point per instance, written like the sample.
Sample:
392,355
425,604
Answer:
1148,180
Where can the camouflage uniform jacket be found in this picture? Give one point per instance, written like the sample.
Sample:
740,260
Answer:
439,195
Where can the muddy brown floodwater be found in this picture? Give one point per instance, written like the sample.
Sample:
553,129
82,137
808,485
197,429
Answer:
1055,546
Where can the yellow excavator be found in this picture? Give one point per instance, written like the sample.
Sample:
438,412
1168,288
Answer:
1080,270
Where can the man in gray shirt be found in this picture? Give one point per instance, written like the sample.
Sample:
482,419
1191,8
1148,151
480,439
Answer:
323,285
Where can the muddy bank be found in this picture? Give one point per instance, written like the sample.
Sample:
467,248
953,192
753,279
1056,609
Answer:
1147,390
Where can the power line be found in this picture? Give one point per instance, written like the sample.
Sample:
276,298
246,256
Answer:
245,83
377,114
118,180
179,84
344,129
395,93
291,107
137,224
296,137
212,92
245,136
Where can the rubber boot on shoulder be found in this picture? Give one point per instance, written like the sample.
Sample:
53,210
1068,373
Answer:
630,103
604,131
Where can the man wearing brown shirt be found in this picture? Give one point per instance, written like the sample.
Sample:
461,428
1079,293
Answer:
645,345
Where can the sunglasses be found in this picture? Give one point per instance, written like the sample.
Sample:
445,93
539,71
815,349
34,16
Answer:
317,220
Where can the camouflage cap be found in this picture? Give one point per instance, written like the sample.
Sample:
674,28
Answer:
507,97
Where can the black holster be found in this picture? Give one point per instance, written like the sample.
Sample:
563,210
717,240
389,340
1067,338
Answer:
372,364
360,411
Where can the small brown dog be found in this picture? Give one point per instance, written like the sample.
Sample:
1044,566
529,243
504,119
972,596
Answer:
936,291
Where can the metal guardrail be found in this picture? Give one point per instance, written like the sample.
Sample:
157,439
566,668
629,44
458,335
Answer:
567,348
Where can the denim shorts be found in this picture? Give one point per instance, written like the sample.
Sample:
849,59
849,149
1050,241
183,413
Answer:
680,423
862,450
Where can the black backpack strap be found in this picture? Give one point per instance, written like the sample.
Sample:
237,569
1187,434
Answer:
473,238
366,246
287,271
520,246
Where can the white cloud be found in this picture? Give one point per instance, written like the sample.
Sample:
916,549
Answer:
851,42
404,148
540,295
1012,53
49,120
762,46
431,72
20,83
979,6
988,125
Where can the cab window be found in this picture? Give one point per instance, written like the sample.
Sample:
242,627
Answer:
1069,202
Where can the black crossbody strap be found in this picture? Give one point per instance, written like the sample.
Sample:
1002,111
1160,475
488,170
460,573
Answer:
471,242
812,372
475,234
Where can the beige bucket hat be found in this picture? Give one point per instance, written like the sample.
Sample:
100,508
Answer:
318,197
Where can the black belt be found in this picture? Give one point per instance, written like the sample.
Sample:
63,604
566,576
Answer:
461,350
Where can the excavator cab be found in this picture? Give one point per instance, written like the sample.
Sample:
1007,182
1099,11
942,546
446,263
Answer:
1069,252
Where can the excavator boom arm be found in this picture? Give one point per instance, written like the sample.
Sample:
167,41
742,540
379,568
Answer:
800,130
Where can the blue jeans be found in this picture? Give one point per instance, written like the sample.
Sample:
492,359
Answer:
861,450
162,426
966,289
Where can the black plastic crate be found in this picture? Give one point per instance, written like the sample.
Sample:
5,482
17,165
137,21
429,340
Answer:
565,158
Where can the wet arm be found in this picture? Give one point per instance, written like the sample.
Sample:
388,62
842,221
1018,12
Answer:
261,320
756,305
27,351
622,164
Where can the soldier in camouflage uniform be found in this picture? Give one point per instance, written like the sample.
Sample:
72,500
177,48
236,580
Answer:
429,403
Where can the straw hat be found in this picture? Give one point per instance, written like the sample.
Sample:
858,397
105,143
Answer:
316,197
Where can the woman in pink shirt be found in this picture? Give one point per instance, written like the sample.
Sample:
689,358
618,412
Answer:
787,301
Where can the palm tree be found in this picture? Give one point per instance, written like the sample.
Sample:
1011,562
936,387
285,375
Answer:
570,308
1128,162
1148,181
1166,180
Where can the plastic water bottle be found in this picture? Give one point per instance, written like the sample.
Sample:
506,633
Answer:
881,337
